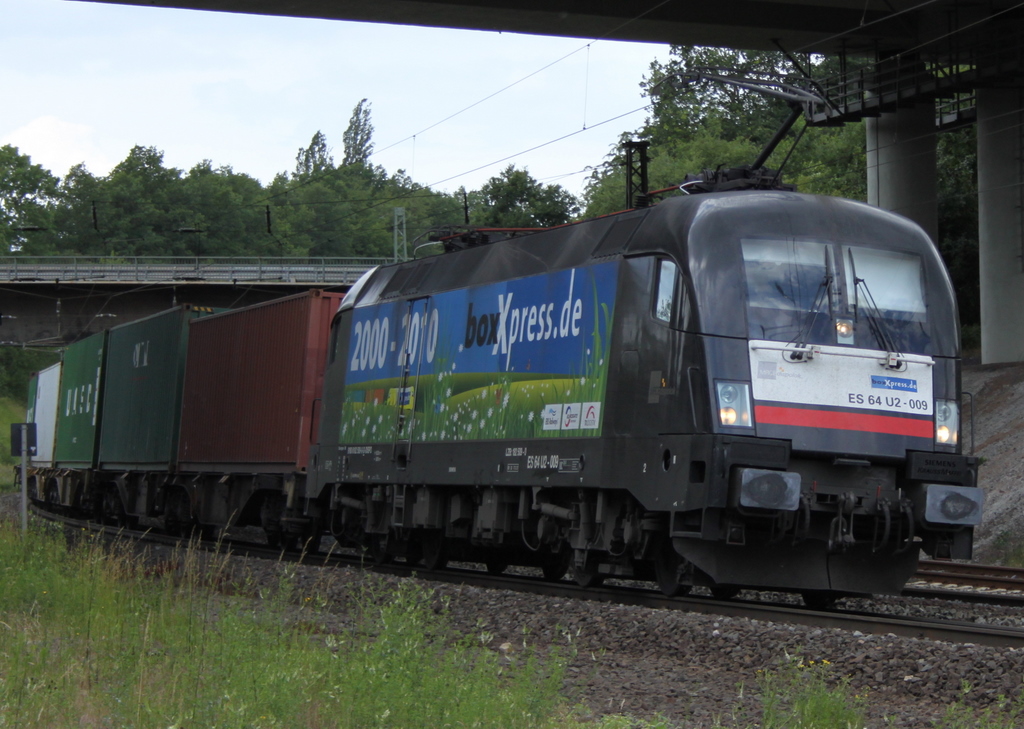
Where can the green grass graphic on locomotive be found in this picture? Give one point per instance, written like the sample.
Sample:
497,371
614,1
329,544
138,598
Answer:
448,405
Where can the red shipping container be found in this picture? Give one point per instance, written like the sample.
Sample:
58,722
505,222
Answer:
253,380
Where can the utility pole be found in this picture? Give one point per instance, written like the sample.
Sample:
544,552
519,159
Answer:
23,438
399,228
636,174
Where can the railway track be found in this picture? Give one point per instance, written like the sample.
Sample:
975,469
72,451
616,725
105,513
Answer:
865,622
978,576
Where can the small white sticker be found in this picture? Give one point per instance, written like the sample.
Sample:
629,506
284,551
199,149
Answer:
591,414
571,416
552,417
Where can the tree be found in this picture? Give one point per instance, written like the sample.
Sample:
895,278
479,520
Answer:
358,136
514,199
314,159
27,194
678,111
957,162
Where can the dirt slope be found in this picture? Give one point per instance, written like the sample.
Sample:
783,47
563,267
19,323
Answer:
999,441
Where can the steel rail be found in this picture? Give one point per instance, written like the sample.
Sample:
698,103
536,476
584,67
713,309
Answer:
970,574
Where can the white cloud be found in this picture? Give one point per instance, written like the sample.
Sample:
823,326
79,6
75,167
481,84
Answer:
58,145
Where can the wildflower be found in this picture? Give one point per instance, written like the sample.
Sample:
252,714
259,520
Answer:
529,416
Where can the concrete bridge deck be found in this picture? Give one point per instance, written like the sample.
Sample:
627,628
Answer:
53,301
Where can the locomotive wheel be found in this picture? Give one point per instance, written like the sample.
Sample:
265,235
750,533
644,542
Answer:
667,564
724,592
585,574
434,550
819,599
496,565
377,548
556,565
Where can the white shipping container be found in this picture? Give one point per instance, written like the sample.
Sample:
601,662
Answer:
43,412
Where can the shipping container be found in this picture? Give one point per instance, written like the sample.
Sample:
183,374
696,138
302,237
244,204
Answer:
145,369
253,383
80,403
43,396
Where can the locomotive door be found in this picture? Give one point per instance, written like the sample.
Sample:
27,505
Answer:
419,340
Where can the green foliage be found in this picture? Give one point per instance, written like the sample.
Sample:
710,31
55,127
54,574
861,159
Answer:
1004,714
669,165
315,159
11,411
805,694
957,160
678,112
27,193
514,199
358,135
95,636
16,365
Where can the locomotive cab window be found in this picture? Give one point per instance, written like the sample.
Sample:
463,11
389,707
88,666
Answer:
667,286
811,292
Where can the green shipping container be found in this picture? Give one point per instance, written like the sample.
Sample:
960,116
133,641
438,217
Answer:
78,410
142,391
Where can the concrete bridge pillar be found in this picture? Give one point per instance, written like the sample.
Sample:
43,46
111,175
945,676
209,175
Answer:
1000,225
901,165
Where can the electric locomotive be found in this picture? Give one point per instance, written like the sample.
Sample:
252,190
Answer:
750,389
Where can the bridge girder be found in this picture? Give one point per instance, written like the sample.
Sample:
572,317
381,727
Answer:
826,26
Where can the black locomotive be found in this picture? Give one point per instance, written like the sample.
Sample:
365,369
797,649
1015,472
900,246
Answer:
744,389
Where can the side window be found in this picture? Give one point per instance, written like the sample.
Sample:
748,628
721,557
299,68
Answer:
666,288
335,340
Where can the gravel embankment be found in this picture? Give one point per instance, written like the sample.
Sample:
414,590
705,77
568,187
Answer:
697,670
998,424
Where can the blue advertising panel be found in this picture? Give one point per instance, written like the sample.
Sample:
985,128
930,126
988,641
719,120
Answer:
521,358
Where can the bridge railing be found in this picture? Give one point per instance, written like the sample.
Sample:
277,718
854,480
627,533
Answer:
115,269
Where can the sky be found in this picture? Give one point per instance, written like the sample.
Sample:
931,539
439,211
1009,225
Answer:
85,82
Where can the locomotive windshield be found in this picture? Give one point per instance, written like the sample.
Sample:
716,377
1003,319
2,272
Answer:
808,292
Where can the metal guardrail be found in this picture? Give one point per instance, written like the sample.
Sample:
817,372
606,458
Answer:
156,269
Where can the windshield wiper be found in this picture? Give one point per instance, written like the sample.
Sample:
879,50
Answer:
824,290
876,322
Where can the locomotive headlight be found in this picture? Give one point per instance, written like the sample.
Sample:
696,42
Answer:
959,505
844,331
947,422
734,404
